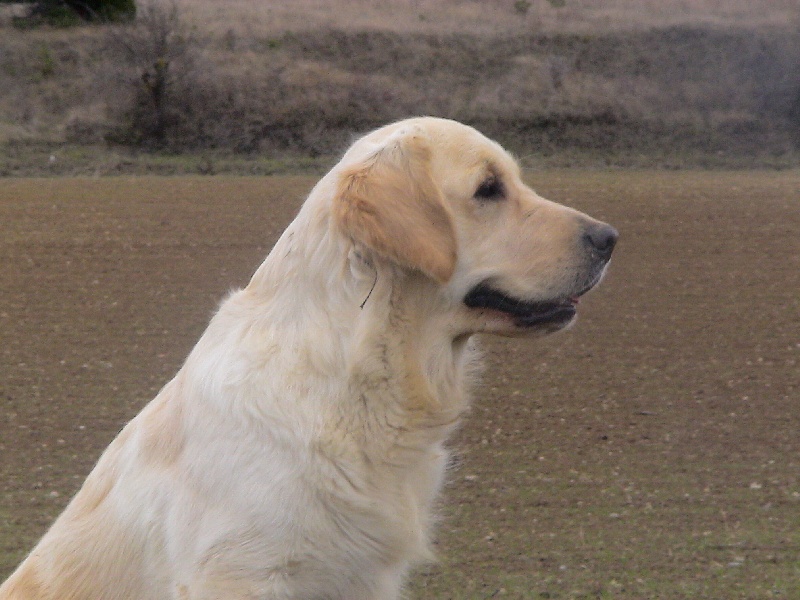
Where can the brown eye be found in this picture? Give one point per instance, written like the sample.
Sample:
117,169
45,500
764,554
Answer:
490,189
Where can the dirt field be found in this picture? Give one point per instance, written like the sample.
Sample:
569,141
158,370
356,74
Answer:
650,452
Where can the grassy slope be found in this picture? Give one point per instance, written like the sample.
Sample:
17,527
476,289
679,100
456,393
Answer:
483,17
590,83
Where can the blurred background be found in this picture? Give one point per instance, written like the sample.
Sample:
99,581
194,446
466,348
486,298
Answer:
110,85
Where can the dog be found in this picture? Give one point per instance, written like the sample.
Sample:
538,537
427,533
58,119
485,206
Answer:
298,451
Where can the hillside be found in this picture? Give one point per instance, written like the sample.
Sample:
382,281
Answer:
620,82
484,17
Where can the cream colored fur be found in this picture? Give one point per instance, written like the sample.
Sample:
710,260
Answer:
298,452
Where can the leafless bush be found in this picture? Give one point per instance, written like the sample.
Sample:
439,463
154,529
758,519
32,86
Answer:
157,58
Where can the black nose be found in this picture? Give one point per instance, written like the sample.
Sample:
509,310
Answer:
601,238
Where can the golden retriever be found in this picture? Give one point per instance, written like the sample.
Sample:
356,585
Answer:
298,451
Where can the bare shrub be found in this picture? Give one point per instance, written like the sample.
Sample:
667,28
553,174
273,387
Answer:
158,59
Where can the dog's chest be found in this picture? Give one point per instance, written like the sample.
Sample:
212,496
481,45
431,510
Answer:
387,514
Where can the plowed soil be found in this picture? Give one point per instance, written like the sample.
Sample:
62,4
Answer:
652,451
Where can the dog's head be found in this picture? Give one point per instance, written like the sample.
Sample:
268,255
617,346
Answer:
437,197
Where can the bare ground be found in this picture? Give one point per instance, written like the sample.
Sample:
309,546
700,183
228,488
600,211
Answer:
650,452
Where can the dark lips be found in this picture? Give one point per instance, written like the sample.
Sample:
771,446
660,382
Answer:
525,314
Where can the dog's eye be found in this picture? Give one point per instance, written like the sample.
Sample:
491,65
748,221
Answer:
490,189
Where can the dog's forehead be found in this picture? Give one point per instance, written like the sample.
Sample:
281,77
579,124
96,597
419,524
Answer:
455,150
466,150
444,135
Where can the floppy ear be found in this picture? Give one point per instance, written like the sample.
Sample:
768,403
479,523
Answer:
390,203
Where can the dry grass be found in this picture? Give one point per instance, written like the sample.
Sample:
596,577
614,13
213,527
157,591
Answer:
273,77
481,17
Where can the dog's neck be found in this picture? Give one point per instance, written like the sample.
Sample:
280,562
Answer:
411,345
355,313
336,357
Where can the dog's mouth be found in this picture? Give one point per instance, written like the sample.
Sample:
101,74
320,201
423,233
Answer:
523,313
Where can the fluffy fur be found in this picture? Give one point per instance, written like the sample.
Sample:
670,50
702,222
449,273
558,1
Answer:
298,452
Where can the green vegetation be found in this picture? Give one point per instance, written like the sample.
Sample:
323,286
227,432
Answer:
67,13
